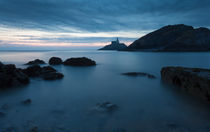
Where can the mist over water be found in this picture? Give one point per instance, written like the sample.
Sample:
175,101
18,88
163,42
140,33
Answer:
146,105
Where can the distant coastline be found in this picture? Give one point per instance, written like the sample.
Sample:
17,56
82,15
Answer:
171,38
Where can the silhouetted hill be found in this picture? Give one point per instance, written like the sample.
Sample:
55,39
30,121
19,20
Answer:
174,38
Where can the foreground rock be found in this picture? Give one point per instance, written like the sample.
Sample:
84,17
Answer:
46,72
174,38
142,74
194,80
83,61
115,45
55,61
10,76
35,62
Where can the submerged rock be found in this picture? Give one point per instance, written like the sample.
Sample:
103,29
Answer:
10,76
105,107
55,61
26,102
35,62
83,61
194,80
135,74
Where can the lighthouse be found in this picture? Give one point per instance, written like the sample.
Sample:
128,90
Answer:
116,42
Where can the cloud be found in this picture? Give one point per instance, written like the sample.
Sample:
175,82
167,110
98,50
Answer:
102,15
92,22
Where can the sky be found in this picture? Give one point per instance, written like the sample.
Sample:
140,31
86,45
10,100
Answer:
70,23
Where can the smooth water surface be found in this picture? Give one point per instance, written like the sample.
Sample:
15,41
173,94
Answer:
145,105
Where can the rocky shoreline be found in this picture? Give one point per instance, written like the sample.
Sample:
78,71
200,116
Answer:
193,80
10,76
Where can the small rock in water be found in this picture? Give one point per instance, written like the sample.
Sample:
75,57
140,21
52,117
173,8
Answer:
26,102
46,72
151,76
35,62
105,107
55,61
81,61
47,69
135,74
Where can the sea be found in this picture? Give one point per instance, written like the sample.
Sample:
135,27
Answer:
144,104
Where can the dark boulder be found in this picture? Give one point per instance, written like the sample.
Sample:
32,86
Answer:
10,76
48,69
55,61
46,72
35,62
33,71
83,61
193,80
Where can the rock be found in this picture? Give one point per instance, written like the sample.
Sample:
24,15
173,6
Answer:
35,62
55,61
49,73
105,107
26,102
46,72
115,45
47,69
10,76
174,38
135,74
52,76
194,80
33,71
83,61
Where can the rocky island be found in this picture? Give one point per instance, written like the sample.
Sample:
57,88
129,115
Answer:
174,38
115,45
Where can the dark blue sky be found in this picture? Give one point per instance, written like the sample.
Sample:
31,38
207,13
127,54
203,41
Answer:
64,21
